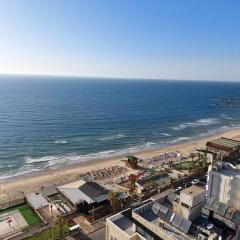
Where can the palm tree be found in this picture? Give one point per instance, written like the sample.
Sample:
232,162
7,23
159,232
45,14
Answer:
114,201
60,221
131,183
192,155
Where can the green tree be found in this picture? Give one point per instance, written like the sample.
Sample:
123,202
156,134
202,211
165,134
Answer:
60,221
131,183
114,201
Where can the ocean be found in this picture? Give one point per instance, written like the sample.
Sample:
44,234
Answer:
46,122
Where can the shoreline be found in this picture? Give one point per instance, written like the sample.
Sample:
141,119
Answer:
70,172
118,156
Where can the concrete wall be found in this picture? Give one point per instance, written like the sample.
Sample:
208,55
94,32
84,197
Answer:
219,186
192,200
115,233
224,188
234,198
12,203
193,213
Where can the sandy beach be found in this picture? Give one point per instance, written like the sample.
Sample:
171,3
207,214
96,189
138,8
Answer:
15,187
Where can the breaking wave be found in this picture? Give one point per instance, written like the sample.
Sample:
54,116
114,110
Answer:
165,134
179,139
198,123
226,117
60,141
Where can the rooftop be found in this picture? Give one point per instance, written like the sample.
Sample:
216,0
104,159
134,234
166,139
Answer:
49,191
226,169
222,211
81,190
160,216
193,190
123,221
152,178
36,200
75,184
225,144
151,214
132,158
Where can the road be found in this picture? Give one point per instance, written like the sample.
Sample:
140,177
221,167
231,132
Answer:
98,235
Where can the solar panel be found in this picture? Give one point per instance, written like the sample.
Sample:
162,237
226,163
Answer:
209,203
171,197
205,211
236,217
222,209
215,206
156,207
177,221
163,211
185,225
168,216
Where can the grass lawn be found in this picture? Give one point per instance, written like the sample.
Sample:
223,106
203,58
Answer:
47,234
28,214
184,165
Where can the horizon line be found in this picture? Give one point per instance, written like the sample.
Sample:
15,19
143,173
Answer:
116,77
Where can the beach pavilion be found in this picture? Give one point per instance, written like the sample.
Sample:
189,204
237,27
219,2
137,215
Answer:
132,161
40,205
83,196
224,148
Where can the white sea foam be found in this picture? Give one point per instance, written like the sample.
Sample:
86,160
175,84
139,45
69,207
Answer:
31,160
165,134
56,160
179,139
19,172
226,116
198,123
60,141
53,161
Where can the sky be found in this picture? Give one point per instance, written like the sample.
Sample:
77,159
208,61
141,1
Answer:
158,39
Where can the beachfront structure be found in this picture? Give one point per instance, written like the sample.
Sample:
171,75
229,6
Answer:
224,184
160,219
83,195
151,184
132,161
223,147
40,205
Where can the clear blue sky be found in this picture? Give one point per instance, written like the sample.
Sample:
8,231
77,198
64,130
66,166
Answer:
175,39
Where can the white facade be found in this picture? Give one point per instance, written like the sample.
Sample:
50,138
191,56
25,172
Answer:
225,187
191,202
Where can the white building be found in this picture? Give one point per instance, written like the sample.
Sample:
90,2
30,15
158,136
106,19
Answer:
190,203
224,184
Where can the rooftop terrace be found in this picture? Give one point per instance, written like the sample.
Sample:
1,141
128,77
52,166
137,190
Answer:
224,144
193,190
